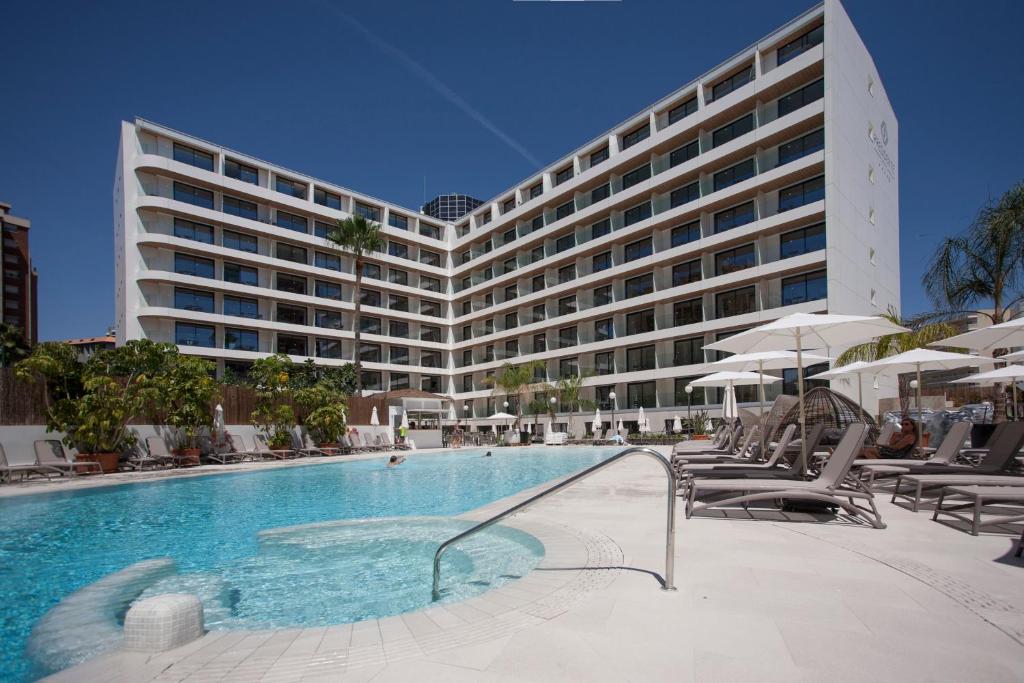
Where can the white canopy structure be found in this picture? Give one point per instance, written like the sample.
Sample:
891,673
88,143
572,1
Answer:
1002,336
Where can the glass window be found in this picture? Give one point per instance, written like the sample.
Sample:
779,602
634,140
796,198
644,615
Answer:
798,195
604,363
688,312
240,307
186,264
602,295
291,345
637,175
397,302
398,250
734,174
537,223
371,380
371,271
640,322
598,156
328,319
193,195
537,284
641,395
602,262
684,234
241,340
603,396
430,359
370,213
640,285
732,260
322,229
193,300
565,242
806,287
397,220
685,273
399,380
291,283
638,135
193,157
467,357
568,367
735,217
638,249
290,221
566,274
325,198
485,217
189,334
688,351
802,241
511,292
681,111
467,382
236,240
599,193
512,348
430,258
327,261
536,190
567,305
640,358
508,205
193,231
801,147
293,188
241,208
636,214
428,333
399,355
430,284
540,343
600,229
328,290
800,45
696,398
489,353
735,302
293,315
509,236
428,230
684,154
328,348
684,195
539,313
239,171
731,131
431,308
511,320
370,297
563,175
537,254
370,325
431,383
242,275
567,337
564,210
398,328
290,252
802,97
737,80
604,329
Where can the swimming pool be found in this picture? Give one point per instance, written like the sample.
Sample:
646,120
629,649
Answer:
54,544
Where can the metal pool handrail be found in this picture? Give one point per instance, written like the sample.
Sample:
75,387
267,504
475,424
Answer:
670,531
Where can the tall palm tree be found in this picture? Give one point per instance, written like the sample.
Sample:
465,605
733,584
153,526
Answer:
570,392
358,237
513,381
922,333
982,266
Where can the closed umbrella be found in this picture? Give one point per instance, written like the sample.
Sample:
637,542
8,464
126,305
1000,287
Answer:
1010,373
374,421
641,421
218,424
730,410
619,427
597,421
677,425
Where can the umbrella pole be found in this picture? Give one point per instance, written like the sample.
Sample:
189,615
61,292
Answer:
1013,383
860,396
918,405
800,393
760,371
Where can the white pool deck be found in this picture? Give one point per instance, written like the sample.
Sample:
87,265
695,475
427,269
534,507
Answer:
759,598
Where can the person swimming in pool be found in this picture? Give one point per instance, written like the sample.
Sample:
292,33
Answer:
487,454
396,460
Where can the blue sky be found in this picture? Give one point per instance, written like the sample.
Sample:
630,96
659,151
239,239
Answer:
297,84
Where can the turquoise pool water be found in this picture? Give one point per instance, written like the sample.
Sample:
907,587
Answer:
54,544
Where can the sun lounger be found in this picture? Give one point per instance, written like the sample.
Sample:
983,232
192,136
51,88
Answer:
946,453
703,468
305,448
264,450
978,497
743,454
7,470
157,448
885,433
778,467
828,487
50,453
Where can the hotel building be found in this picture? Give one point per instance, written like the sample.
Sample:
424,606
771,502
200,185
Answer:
766,186
19,302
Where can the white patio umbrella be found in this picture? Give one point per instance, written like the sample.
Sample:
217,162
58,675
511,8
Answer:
405,419
498,418
1002,336
858,368
451,413
1013,357
597,421
641,421
619,427
730,408
730,379
800,331
1010,373
218,423
677,425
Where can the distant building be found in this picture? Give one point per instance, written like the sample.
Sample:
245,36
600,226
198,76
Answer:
450,207
90,345
18,292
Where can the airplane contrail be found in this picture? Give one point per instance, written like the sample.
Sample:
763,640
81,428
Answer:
433,81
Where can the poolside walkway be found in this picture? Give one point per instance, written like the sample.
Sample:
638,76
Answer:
763,599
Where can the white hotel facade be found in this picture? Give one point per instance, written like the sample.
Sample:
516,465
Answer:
767,186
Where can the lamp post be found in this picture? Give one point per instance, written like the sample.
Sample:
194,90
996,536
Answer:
505,406
689,395
915,385
611,397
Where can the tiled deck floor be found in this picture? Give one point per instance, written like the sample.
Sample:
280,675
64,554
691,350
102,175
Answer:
763,599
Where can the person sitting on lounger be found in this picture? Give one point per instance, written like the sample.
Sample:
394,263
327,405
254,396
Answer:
900,446
396,460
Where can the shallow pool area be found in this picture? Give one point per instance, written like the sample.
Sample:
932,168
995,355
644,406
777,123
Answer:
52,545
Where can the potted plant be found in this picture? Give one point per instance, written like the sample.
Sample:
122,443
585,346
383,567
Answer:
325,421
699,425
273,416
188,391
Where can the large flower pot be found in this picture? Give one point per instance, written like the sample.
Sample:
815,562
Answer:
700,437
107,461
188,457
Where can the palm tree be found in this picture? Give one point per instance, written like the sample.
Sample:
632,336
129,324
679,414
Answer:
570,392
514,381
358,237
984,265
922,333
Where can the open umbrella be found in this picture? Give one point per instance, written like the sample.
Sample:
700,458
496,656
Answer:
1002,336
858,368
1010,373
730,379
677,425
1013,357
800,331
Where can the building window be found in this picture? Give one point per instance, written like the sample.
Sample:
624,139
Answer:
567,305
193,157
397,220
737,80
240,208
801,97
598,156
685,195
430,359
685,273
293,315
564,210
240,307
801,147
430,258
684,234
604,363
290,252
732,260
539,313
735,302
640,285
688,312
638,249
688,351
695,398
509,236
600,193
603,295
566,274
735,217
325,198
292,188
511,292
239,171
290,221
641,395
431,383
430,284
467,382
290,283
600,229
328,348
637,175
684,154
601,262
327,261
193,195
798,195
330,320
640,358
540,343
511,320
485,217
428,333
789,384
321,229
731,131
802,241
241,340
328,290
734,174
467,357
430,307
806,287
567,337
236,240
370,325
800,45
565,243
371,380
397,302
537,254
681,111
193,231
640,322
508,205
638,135
399,355
185,264
242,275
371,271
399,380
398,250
536,190
489,353
370,297
636,214
568,367
370,213
193,300
398,328
602,395
563,175
604,330
188,334
431,231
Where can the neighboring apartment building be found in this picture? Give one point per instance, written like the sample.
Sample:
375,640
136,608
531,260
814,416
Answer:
450,207
87,347
767,186
18,299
